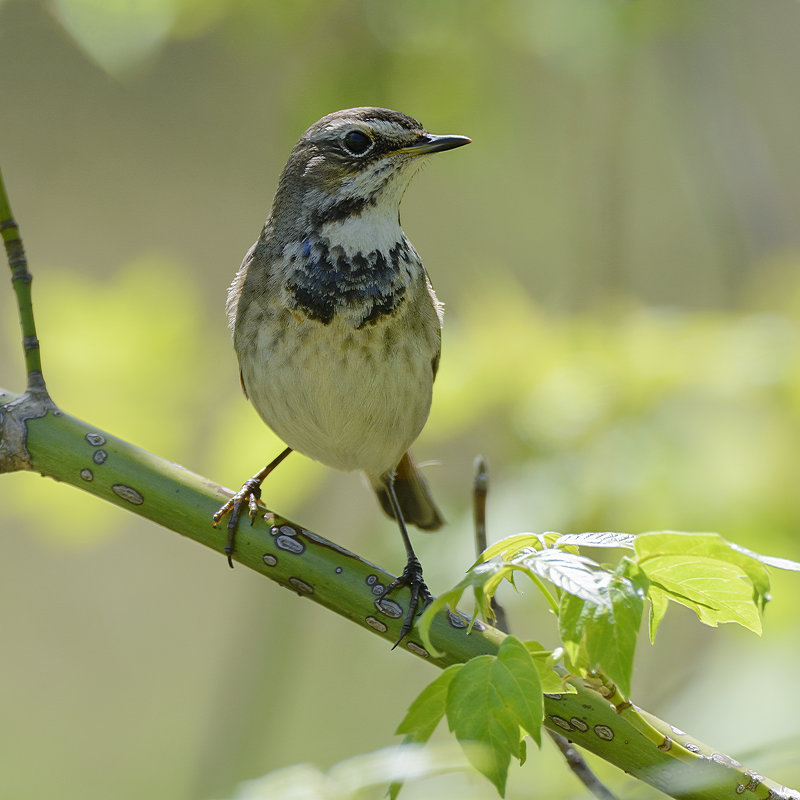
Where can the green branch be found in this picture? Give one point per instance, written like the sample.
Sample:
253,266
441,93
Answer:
21,281
35,435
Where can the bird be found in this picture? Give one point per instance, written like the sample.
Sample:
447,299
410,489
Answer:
335,323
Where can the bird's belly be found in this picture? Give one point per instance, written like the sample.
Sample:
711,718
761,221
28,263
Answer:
349,398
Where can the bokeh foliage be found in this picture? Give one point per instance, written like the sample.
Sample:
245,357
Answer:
619,257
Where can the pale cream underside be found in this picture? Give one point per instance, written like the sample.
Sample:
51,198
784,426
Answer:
348,398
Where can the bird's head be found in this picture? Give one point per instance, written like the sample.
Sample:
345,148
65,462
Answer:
352,160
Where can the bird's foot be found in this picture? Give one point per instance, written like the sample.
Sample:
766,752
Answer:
420,595
249,494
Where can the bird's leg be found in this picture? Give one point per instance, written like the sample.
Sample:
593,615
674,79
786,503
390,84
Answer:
250,493
412,574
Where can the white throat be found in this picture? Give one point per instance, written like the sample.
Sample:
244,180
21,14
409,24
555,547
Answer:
375,228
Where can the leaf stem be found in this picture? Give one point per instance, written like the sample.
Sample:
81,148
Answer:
537,581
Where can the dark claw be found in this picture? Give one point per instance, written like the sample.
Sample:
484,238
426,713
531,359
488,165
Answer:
411,577
249,493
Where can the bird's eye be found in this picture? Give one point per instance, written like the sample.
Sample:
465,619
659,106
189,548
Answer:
357,142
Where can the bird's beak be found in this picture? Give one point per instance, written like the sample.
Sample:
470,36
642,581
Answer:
430,143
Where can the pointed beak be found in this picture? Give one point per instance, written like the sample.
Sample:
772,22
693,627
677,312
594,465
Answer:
430,143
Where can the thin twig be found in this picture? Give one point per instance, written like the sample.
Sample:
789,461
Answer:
21,280
480,489
575,761
578,765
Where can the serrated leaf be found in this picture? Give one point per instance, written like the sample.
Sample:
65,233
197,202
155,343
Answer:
571,624
711,545
599,539
579,575
476,713
602,635
717,591
428,708
611,634
520,688
490,699
511,545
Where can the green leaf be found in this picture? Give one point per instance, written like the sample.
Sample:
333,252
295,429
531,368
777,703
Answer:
428,708
511,545
503,572
520,687
393,792
571,624
658,607
715,590
599,539
476,713
711,545
489,700
611,635
424,714
602,635
574,573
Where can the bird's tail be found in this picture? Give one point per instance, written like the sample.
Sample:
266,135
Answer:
413,496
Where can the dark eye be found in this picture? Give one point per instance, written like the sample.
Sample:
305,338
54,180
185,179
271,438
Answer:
357,142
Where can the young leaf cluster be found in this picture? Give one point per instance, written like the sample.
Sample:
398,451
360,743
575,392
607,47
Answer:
496,700
491,703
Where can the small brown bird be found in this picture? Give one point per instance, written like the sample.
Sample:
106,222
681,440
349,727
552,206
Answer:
335,322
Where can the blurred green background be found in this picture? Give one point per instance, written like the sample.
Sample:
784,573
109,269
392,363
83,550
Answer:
618,251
